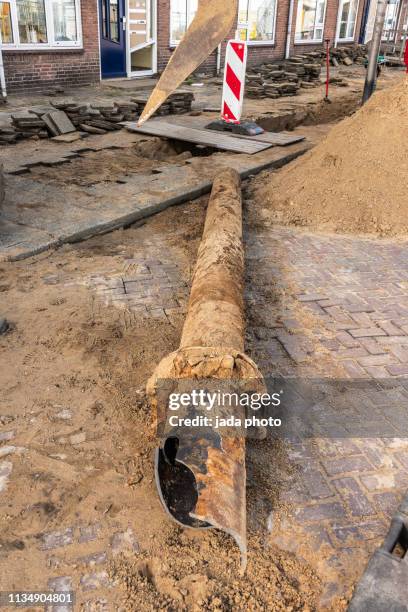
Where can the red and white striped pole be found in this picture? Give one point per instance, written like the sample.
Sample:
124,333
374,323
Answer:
234,81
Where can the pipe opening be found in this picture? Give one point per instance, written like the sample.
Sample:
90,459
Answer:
177,485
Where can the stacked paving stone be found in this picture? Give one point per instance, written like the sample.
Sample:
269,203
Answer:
98,118
28,125
284,78
177,103
356,54
94,118
106,117
8,135
180,102
129,110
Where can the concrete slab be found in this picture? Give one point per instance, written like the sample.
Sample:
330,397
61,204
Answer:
130,84
37,215
22,241
58,122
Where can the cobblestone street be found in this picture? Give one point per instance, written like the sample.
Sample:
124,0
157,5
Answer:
333,306
318,307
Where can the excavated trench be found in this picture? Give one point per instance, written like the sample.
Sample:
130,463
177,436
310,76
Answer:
113,164
310,113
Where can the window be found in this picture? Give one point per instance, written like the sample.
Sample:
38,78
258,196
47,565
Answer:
34,24
181,15
110,20
6,30
114,20
310,21
390,22
65,23
256,19
347,19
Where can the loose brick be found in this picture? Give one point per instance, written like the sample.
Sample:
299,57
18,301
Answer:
57,539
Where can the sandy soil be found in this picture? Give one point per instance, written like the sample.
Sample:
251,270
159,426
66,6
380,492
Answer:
78,440
354,180
107,165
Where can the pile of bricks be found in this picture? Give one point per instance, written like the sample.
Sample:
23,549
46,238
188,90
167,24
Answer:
284,78
68,116
177,103
356,54
98,118
27,124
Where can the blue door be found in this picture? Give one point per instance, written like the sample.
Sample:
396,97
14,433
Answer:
113,38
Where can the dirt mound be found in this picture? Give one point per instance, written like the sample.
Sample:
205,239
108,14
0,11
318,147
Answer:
194,572
353,181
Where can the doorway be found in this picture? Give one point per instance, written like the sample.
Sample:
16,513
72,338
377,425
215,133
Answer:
113,38
142,38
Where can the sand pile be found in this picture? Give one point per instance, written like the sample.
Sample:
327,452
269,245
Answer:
355,180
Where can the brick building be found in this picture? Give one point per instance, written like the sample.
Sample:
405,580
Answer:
49,42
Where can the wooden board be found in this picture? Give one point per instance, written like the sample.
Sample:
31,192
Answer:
210,138
279,139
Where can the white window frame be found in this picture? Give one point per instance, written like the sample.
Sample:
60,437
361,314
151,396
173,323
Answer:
49,21
173,43
348,38
12,25
256,43
314,41
387,32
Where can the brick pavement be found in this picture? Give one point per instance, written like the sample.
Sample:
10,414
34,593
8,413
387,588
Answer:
333,306
318,306
151,285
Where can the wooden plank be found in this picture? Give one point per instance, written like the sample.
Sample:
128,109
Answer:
279,139
210,138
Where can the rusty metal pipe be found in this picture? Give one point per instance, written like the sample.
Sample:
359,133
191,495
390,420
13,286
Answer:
201,474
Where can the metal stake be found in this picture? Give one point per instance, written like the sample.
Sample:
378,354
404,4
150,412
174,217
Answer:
371,76
327,41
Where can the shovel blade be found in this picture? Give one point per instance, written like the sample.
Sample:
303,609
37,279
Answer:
211,24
